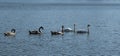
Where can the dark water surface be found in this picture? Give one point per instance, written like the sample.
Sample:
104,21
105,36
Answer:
103,39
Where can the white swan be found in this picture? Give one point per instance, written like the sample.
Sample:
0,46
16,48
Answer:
36,32
83,30
58,33
69,29
12,33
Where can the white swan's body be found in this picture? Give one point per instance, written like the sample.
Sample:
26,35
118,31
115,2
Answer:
68,30
12,33
58,33
9,34
83,30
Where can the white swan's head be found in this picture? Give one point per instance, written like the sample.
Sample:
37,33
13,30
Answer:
88,25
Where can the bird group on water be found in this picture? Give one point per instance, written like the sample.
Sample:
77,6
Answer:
35,32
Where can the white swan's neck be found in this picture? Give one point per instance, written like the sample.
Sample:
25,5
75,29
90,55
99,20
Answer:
88,29
62,29
74,28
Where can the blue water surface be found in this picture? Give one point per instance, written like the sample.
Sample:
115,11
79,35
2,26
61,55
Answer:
103,39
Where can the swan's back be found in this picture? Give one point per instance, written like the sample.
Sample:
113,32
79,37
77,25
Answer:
9,34
56,33
82,31
68,30
34,32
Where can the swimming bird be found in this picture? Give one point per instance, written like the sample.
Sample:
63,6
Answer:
12,33
83,30
58,33
69,29
36,32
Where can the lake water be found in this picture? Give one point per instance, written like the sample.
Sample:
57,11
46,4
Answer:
103,40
